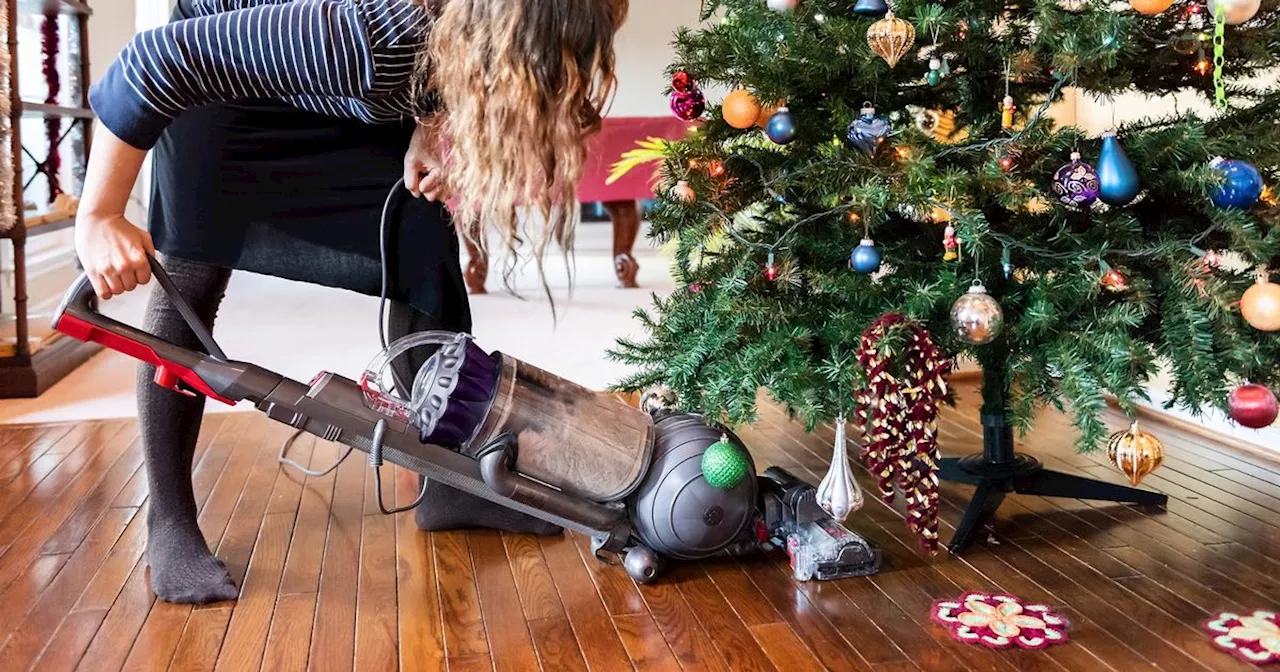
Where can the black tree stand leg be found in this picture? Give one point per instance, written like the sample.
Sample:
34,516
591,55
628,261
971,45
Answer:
999,470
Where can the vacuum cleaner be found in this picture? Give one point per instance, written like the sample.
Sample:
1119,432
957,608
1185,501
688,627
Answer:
491,425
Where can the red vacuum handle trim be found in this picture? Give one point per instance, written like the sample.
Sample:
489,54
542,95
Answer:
76,317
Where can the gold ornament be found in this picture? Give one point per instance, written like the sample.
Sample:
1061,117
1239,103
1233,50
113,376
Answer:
1135,453
891,37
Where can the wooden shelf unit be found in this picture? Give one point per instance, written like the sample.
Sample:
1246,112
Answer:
32,360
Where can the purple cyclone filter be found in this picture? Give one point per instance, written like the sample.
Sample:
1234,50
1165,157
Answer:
461,380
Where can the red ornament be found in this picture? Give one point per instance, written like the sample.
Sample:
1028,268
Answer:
1006,163
695,287
1253,406
681,81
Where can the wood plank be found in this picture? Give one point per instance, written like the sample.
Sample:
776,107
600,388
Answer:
681,627
510,644
597,637
158,640
70,641
37,627
464,633
784,649
237,544
114,571
310,531
421,630
479,662
556,645
28,445
644,642
290,638
377,627
112,642
333,637
246,637
533,579
22,594
201,640
737,648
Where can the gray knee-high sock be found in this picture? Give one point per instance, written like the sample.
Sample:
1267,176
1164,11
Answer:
444,507
182,567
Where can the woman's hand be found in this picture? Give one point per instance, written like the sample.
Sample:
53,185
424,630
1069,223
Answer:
423,175
113,253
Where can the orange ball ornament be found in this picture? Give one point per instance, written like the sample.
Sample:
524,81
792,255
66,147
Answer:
766,113
741,109
1260,305
1150,7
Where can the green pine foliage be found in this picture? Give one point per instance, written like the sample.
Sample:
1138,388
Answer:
1068,341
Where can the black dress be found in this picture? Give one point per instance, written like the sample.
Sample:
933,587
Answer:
262,186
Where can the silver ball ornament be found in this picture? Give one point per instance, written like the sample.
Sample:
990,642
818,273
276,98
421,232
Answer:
976,317
782,5
657,398
1235,12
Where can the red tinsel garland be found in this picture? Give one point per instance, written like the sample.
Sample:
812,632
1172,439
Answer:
899,419
52,124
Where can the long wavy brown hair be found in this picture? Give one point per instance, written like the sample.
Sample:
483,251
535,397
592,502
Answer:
515,87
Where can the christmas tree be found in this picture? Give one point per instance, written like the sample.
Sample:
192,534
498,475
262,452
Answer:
871,160
926,131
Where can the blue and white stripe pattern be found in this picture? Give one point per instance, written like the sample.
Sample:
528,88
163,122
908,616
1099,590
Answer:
344,58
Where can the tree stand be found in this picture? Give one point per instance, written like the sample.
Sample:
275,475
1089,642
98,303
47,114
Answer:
999,469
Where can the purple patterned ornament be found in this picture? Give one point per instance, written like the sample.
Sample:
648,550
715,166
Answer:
1076,183
688,105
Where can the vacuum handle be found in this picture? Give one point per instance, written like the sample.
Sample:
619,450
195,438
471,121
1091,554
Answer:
78,317
81,297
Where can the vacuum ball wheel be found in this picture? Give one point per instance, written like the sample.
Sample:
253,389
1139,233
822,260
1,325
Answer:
642,564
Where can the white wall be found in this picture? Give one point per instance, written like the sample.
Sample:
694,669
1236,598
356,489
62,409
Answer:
644,51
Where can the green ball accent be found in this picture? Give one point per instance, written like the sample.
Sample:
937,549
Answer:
724,465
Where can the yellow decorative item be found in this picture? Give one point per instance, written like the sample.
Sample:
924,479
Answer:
890,38
648,151
1135,453
1006,113
1150,7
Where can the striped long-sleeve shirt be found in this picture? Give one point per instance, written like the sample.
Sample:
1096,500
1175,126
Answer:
346,58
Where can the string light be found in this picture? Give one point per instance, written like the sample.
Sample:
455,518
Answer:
715,168
853,217
770,269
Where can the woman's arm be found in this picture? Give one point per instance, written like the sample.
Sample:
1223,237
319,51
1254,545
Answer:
306,47
112,250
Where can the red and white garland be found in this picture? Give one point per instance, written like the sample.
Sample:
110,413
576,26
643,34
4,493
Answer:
899,419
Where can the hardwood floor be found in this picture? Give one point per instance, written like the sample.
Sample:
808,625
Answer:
329,583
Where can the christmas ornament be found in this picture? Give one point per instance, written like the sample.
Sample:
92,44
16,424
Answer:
781,128
688,105
766,113
683,192
1150,7
1076,183
1235,12
657,398
782,5
891,37
695,287
1253,406
1254,638
950,244
935,71
681,81
1006,113
869,131
865,257
999,621
1117,178
871,8
898,411
838,493
724,465
1135,453
1260,305
976,317
1242,187
740,109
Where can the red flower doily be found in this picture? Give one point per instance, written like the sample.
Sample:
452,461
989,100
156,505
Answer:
1254,638
1000,621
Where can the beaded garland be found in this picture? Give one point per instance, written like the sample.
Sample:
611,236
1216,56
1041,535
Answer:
899,419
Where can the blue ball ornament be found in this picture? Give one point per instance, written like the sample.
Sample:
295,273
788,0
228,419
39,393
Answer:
1242,187
865,257
1117,178
781,128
